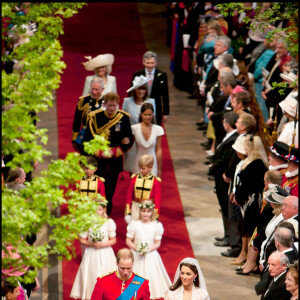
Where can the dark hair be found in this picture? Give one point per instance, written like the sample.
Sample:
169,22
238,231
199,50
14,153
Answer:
231,118
144,107
242,97
91,160
7,287
145,87
178,283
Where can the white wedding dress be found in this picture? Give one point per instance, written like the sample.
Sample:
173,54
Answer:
150,265
197,294
95,263
146,147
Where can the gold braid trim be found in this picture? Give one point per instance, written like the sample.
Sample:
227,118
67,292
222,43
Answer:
127,209
106,128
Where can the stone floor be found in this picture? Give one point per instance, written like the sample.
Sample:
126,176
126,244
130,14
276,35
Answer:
199,201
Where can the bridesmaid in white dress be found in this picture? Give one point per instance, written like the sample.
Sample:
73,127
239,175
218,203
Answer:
148,139
102,66
98,259
147,261
132,105
189,282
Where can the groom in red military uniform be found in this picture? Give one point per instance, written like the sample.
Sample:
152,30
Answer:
122,284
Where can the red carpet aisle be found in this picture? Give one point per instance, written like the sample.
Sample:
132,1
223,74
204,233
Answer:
115,28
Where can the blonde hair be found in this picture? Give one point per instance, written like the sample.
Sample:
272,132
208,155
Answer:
215,25
149,202
276,208
255,150
146,160
248,121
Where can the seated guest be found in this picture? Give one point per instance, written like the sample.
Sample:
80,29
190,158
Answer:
101,65
291,280
276,282
193,287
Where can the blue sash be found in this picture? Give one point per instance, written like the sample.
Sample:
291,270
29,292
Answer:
134,285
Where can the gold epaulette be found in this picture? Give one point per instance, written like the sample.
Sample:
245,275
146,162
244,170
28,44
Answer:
100,178
92,113
133,175
84,96
106,274
135,273
124,112
158,179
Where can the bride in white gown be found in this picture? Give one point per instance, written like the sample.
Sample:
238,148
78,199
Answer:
188,282
148,139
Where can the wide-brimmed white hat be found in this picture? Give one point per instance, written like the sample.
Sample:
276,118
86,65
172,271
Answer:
289,104
138,81
99,61
239,144
289,77
235,68
256,33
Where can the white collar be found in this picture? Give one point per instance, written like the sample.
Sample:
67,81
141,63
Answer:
152,72
276,277
289,174
282,166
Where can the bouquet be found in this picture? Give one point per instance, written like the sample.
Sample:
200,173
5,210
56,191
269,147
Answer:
96,234
142,248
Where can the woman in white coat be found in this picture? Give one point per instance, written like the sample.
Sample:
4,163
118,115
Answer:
102,66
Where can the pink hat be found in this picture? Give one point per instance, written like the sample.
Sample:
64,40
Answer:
237,89
16,256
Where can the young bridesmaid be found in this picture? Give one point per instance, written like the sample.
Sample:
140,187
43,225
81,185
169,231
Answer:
99,258
144,238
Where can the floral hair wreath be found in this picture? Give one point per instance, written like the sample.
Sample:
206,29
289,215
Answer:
150,206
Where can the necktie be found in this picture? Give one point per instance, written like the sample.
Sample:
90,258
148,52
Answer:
150,81
270,285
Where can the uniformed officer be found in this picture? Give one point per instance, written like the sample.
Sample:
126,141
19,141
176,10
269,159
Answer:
85,105
122,284
115,126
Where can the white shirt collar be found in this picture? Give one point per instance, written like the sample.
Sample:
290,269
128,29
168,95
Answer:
289,174
152,72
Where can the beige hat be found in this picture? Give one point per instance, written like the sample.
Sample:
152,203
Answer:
99,61
239,144
289,104
289,77
138,81
258,32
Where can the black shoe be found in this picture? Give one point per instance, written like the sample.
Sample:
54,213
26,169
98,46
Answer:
205,144
211,178
202,127
193,96
200,123
221,244
238,269
206,147
230,253
204,134
209,157
219,239
207,162
247,273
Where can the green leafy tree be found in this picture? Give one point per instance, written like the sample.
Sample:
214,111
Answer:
29,88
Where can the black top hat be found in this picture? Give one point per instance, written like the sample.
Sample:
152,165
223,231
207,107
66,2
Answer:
275,194
280,149
293,155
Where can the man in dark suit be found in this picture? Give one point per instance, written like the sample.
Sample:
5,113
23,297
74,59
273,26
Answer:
276,288
157,86
219,165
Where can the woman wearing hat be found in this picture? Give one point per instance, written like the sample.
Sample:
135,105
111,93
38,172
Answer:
132,105
290,107
102,66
